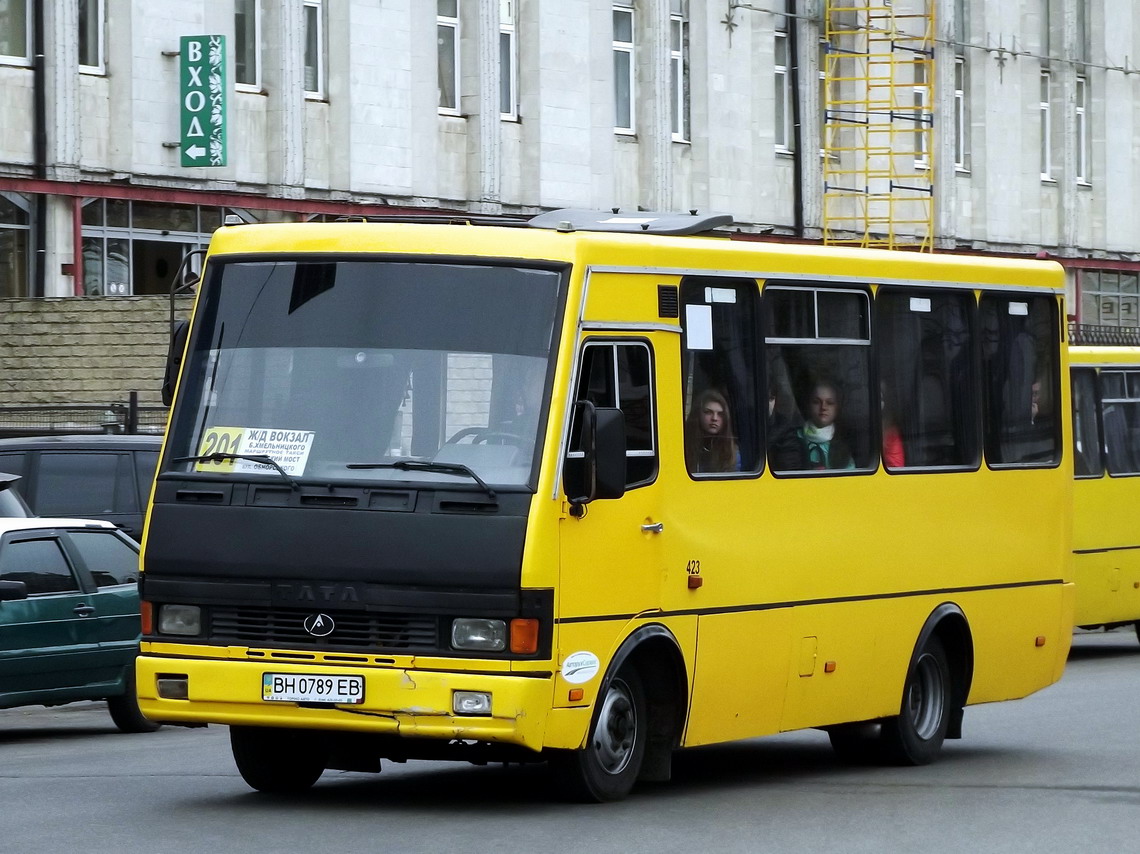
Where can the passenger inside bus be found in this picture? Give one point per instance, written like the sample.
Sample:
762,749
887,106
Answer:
711,441
894,455
823,445
785,453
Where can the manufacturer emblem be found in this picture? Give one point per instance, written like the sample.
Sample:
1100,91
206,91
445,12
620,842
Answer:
319,625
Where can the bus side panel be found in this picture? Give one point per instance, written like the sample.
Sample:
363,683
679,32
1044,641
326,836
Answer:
1008,624
1108,582
741,676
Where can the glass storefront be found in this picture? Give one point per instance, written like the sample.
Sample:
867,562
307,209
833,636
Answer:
15,245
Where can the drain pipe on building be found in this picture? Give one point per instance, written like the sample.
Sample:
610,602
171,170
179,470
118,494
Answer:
39,200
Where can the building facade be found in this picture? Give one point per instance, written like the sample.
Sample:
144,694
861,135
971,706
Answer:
1020,120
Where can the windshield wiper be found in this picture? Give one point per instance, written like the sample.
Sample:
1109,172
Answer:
428,465
264,459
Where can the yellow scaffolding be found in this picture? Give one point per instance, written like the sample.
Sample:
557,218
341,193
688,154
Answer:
878,123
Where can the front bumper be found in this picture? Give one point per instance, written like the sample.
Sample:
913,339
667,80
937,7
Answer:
398,701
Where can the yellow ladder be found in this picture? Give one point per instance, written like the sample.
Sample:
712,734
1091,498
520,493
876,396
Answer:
878,127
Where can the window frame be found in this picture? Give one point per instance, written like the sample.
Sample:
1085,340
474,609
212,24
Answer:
320,92
783,94
1098,425
83,583
1080,106
452,23
25,60
630,79
654,452
255,86
99,28
921,154
509,76
961,124
770,340
1103,402
1046,113
997,433
679,79
974,415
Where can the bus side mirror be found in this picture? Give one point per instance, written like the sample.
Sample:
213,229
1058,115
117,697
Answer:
174,360
595,465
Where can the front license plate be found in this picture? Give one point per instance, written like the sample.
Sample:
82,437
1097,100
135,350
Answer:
314,688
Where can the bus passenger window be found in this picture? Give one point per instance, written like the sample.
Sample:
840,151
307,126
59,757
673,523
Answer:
1020,340
1086,433
927,396
1120,414
721,377
819,379
621,375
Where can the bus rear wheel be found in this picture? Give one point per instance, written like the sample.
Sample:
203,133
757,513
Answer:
915,736
278,761
608,766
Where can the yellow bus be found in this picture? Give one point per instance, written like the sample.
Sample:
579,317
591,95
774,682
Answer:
1106,464
598,487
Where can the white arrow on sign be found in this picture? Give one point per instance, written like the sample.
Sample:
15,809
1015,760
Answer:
195,151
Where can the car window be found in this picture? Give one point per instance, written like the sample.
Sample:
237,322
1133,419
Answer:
40,564
145,464
108,558
82,484
11,505
13,462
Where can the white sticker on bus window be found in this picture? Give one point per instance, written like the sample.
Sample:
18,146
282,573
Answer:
698,327
920,304
580,667
288,448
1020,308
720,295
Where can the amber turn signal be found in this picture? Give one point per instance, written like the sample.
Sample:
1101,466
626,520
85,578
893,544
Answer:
146,614
1040,640
576,694
524,636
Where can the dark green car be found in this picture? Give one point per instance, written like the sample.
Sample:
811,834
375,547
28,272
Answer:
69,616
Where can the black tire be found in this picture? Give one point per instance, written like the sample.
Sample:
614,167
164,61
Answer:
124,708
1136,626
915,737
278,761
608,766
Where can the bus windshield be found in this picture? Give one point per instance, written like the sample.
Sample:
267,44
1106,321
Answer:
368,370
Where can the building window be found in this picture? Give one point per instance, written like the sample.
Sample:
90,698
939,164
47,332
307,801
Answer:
961,128
132,247
921,123
624,83
247,44
15,245
447,39
1109,298
1046,26
783,94
1046,128
92,14
1082,131
15,32
679,68
508,61
314,49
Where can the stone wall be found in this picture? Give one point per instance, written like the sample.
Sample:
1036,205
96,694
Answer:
83,350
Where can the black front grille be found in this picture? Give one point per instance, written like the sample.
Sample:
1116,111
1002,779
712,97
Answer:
354,629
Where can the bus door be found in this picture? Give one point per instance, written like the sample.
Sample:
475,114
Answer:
611,562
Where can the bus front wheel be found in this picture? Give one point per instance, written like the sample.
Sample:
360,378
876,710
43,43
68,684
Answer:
278,761
608,766
915,737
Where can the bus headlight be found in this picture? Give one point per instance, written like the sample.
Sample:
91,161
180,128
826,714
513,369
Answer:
179,620
477,634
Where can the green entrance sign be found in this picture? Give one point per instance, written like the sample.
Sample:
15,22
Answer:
203,75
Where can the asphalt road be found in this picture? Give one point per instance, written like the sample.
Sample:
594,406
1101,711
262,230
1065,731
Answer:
1056,772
